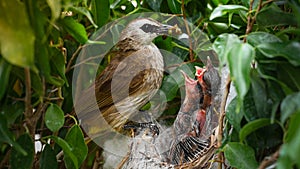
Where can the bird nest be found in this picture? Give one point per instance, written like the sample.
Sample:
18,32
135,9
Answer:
148,151
144,153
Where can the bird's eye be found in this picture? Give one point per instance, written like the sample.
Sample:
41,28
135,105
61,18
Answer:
149,28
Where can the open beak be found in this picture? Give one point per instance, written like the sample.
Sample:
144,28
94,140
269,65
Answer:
188,80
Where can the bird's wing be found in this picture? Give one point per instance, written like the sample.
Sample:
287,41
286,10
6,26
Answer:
127,77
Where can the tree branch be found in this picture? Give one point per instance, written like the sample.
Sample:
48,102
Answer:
28,107
221,118
188,32
251,20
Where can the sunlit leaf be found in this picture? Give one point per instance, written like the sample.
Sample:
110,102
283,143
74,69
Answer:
17,38
55,7
223,44
240,156
240,57
225,9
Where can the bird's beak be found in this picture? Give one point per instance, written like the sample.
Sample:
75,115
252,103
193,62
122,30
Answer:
188,79
169,30
209,65
199,71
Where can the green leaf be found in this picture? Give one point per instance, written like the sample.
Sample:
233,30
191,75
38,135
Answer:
284,161
67,149
172,82
291,149
18,158
289,106
36,81
289,74
84,11
240,156
5,69
252,126
248,107
12,111
58,60
101,11
7,136
257,38
48,158
154,4
223,44
43,63
240,57
75,29
17,43
54,117
274,16
55,7
259,94
293,127
220,2
233,117
174,6
169,87
224,9
288,50
75,139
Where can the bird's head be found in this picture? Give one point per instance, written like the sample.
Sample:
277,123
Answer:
191,87
144,30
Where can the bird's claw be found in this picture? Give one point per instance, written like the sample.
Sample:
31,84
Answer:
140,126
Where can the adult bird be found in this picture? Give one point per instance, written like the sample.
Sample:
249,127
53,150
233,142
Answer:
129,81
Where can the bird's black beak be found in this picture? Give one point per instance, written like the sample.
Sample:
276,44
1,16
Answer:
169,30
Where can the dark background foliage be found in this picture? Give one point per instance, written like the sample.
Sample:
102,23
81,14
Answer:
258,40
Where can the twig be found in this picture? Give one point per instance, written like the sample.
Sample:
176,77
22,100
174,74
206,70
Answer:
68,68
167,117
28,107
124,160
5,159
188,32
251,20
268,161
221,118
